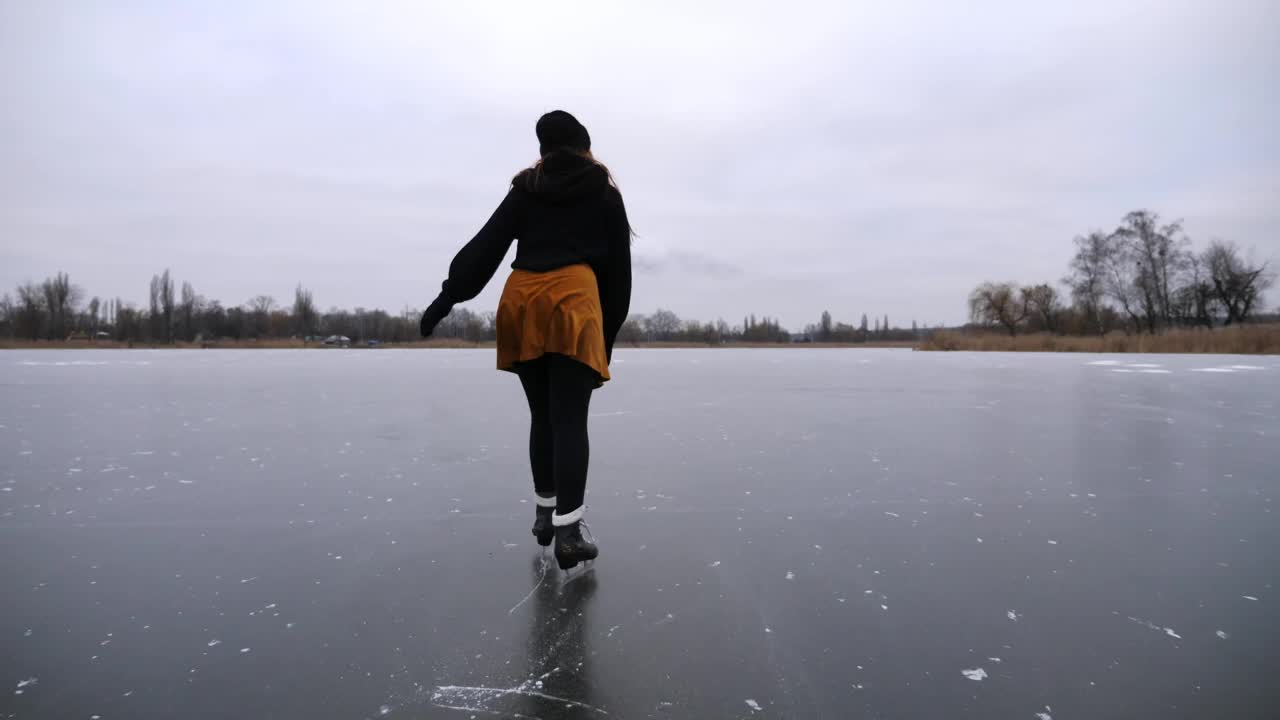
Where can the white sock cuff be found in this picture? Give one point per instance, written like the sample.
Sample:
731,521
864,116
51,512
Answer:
567,519
546,502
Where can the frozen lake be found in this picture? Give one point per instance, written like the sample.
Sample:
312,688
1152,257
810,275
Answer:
785,533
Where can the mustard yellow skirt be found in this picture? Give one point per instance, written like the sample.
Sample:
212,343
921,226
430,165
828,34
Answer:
552,312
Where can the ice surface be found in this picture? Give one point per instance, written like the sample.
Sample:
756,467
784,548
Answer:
798,528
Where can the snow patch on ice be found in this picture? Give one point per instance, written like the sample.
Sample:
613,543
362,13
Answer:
61,363
1249,597
1012,615
755,706
1148,624
976,674
791,575
1222,635
1104,362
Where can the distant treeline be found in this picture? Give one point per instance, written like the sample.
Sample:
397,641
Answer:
55,309
1142,277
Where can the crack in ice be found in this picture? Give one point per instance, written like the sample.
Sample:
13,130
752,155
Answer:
480,694
545,565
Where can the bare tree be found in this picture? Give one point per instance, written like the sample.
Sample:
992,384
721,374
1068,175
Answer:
8,315
94,306
998,304
632,330
490,320
1194,300
166,305
1157,254
60,299
262,304
824,330
161,308
304,311
662,325
1041,303
31,310
187,310
1120,283
260,308
460,323
1237,283
1088,276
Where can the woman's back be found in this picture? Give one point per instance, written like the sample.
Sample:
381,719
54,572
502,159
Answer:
566,212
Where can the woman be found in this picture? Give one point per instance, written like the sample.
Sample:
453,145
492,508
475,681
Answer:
560,312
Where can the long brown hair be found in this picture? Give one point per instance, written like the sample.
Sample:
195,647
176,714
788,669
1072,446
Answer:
536,171
584,154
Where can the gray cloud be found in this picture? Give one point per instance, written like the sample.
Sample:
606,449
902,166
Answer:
777,158
684,261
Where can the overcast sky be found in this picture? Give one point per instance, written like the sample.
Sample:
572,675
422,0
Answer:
778,158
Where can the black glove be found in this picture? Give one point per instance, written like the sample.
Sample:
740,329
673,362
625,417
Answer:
432,316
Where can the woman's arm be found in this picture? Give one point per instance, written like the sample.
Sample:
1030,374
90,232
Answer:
615,295
475,264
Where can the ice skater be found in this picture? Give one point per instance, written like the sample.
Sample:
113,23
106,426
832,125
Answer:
560,311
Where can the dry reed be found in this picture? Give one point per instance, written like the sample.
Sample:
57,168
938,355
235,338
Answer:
1235,340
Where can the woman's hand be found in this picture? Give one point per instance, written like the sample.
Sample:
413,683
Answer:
432,316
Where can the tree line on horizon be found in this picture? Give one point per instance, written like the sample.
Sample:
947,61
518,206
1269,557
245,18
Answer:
1142,277
55,309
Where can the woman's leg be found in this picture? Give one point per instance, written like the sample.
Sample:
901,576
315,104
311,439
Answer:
570,385
537,390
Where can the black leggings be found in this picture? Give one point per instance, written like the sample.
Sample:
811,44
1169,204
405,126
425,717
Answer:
559,392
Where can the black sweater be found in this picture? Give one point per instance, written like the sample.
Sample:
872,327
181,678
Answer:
565,214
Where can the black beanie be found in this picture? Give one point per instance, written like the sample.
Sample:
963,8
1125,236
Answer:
558,129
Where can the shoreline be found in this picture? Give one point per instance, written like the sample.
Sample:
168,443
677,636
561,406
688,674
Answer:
420,345
1235,340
